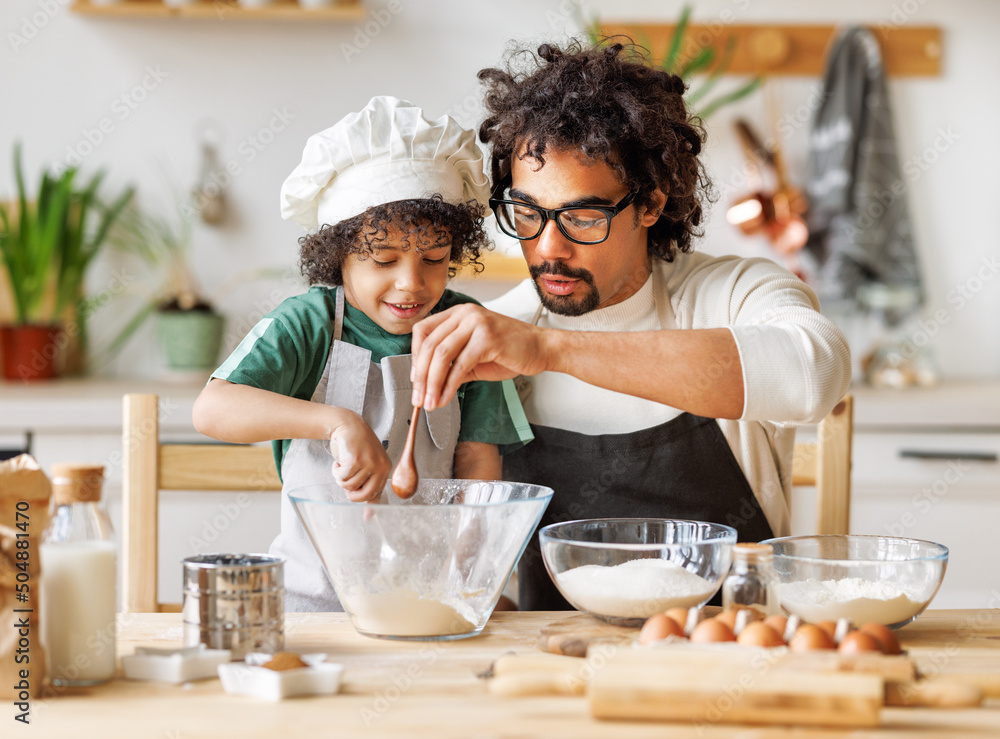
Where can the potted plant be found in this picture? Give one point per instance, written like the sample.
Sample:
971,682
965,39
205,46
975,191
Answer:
188,326
696,60
47,246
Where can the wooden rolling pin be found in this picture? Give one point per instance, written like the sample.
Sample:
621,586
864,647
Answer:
537,674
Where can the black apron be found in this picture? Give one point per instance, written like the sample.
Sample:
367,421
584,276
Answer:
683,468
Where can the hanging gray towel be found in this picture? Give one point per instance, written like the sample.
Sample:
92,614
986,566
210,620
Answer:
859,224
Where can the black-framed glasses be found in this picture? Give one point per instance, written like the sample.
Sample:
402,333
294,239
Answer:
590,224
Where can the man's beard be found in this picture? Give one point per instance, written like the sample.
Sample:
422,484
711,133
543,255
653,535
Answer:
566,305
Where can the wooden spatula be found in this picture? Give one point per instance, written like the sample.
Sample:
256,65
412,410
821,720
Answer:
405,477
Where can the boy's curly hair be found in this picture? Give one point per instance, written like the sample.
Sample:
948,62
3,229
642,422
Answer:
426,223
610,105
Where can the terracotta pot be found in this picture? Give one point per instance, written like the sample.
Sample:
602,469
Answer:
31,352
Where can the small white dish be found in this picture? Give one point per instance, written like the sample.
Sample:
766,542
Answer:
319,678
174,665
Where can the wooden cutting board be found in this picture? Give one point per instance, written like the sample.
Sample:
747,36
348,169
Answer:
573,635
731,688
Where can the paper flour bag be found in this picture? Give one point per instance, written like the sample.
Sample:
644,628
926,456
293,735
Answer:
24,514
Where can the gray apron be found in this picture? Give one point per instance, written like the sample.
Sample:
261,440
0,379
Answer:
683,468
380,393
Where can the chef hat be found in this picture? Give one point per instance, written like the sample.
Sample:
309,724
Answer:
386,152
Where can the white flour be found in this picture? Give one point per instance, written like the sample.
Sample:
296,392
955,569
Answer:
638,588
855,598
404,613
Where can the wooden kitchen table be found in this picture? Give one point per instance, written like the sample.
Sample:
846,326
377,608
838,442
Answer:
431,689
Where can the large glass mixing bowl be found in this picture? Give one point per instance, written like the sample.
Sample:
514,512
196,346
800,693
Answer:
429,567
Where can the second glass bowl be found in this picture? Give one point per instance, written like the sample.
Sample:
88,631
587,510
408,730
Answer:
624,570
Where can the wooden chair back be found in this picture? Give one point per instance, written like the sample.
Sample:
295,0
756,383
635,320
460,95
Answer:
150,467
826,463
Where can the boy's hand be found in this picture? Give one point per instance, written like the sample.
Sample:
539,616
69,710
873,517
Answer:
362,466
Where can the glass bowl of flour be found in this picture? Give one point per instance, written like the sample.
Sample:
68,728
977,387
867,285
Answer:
624,570
882,579
430,567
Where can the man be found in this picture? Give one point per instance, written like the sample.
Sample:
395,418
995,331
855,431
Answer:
661,383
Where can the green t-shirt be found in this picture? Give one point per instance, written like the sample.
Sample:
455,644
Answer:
286,352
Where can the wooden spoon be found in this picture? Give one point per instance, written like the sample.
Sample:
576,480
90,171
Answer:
405,477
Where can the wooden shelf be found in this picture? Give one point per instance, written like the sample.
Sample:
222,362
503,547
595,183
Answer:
345,10
499,268
775,50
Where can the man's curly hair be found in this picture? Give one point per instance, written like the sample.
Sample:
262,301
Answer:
610,105
426,223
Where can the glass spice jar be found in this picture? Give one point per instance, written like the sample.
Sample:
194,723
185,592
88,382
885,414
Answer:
752,581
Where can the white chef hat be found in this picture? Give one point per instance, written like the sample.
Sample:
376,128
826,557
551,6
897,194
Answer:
386,152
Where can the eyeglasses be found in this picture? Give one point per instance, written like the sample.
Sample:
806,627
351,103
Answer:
582,225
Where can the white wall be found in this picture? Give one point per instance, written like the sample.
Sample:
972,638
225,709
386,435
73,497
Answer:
66,78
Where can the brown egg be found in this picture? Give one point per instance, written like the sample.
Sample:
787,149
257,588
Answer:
712,630
830,627
728,618
809,637
659,627
759,634
884,636
778,623
680,615
859,641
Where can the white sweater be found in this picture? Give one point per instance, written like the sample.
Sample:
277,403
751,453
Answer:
796,363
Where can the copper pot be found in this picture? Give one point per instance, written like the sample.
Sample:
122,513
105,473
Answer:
777,214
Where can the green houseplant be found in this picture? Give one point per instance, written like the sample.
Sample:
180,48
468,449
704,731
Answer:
188,326
46,245
688,63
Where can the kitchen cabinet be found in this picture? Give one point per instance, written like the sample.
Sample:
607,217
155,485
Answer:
344,10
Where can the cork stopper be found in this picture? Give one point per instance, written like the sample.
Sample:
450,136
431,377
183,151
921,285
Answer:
749,552
76,483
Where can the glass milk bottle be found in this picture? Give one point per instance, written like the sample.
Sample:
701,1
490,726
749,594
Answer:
752,581
78,580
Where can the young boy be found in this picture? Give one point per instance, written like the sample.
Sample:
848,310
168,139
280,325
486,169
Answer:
401,200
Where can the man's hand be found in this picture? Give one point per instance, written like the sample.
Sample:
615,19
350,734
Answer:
468,342
362,467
